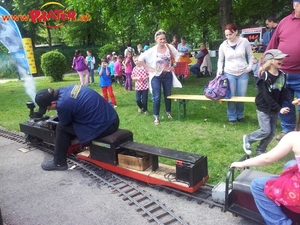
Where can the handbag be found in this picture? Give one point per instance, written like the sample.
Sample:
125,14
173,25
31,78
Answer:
171,54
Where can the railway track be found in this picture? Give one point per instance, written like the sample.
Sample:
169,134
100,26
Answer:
127,188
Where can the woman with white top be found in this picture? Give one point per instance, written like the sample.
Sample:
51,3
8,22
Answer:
157,60
235,61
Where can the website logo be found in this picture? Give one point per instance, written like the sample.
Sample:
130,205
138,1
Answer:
51,12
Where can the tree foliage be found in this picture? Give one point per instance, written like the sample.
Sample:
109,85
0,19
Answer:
119,21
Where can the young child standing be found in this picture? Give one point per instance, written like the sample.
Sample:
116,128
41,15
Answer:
111,65
80,65
118,69
140,75
105,82
128,64
255,68
90,63
271,94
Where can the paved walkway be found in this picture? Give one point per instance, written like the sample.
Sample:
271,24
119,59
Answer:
3,81
31,196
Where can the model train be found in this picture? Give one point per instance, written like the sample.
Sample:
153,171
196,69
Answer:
120,154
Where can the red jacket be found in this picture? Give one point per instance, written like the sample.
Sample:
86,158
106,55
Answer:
200,59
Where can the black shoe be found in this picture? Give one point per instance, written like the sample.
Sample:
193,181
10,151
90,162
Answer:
241,120
51,165
280,136
259,153
232,122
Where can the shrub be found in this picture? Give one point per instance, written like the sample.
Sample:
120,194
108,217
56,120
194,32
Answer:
54,65
107,50
68,52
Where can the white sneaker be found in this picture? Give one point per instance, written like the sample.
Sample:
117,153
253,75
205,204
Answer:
246,145
140,110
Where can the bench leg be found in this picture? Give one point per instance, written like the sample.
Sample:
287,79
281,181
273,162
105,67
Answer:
154,159
184,102
178,108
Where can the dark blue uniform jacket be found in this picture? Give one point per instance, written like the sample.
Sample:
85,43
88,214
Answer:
85,109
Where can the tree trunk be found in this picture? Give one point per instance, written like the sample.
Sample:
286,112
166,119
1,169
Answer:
205,35
225,12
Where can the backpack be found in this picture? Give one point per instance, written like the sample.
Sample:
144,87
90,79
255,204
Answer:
218,88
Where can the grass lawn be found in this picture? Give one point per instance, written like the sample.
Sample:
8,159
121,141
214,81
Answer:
204,131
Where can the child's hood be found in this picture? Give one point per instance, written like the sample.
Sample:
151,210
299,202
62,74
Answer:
78,58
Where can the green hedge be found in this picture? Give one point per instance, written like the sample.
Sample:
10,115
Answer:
215,44
54,65
68,52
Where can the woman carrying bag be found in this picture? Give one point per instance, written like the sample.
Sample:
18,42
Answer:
157,61
236,57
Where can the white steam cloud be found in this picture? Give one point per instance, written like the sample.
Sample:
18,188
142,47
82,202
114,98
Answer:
29,83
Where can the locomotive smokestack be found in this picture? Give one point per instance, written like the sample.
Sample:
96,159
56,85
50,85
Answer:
31,106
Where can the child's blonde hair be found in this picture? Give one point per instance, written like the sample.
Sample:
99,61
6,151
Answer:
267,65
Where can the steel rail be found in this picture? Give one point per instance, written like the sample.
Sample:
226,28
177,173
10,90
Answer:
151,207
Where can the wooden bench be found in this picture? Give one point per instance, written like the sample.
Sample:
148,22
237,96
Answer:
182,100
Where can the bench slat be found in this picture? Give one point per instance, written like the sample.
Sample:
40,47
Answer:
204,98
182,100
163,152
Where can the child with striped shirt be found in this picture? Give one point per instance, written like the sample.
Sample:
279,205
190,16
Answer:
140,75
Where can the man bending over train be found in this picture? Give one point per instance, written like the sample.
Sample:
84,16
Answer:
81,112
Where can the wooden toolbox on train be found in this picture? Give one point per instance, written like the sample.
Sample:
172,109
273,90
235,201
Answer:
134,160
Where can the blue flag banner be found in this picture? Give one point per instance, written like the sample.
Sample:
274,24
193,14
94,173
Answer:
11,38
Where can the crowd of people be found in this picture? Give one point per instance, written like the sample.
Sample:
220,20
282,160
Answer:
235,61
148,72
278,83
152,68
